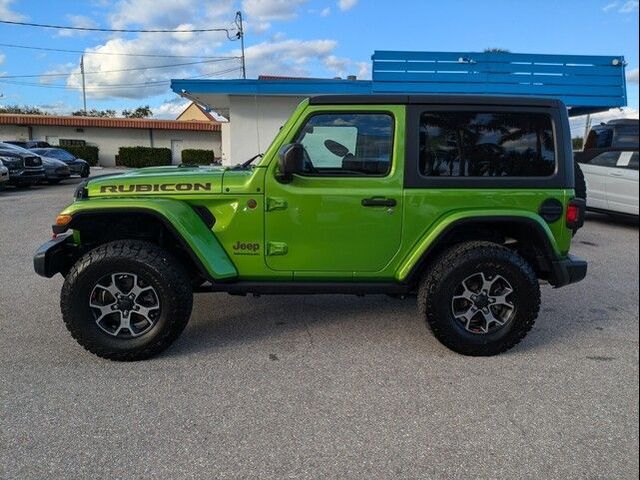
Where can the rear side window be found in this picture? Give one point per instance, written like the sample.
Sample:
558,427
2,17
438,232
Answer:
626,136
486,144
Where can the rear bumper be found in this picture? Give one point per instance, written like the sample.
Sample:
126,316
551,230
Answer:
568,270
55,256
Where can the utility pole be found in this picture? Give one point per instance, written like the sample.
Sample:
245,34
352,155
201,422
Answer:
241,35
84,92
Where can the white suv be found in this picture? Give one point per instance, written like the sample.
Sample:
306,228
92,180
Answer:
612,182
610,166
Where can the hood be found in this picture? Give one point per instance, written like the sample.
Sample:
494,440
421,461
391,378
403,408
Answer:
171,180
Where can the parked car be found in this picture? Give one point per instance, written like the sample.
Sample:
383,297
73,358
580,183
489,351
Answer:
77,166
28,143
24,169
54,170
4,176
609,162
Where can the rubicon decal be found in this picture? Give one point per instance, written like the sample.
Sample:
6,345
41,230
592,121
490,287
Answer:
156,187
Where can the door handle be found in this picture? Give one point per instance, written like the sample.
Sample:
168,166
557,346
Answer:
615,174
379,202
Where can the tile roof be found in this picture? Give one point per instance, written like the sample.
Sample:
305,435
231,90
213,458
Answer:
79,122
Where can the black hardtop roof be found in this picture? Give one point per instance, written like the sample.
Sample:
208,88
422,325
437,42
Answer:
435,100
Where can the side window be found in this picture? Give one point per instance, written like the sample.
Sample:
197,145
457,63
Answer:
628,160
486,144
347,144
626,136
605,159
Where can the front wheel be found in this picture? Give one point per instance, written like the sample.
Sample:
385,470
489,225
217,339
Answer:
126,300
479,298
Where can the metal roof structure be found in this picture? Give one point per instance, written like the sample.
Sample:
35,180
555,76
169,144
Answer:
585,83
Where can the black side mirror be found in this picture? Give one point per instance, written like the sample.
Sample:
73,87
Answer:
291,161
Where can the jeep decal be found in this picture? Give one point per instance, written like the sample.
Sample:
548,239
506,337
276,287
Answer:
246,248
156,187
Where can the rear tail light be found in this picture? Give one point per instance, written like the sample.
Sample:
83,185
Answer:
575,214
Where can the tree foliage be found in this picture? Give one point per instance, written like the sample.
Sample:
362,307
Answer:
22,110
95,113
140,112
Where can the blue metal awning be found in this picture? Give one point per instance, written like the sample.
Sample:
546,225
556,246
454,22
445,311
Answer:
585,83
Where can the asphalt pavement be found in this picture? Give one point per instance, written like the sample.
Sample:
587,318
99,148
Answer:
320,386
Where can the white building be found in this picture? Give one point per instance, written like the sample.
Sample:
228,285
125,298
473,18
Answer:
109,134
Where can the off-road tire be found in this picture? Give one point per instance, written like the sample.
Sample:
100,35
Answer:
437,288
580,183
85,172
146,260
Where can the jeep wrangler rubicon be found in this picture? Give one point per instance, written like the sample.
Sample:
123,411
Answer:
464,202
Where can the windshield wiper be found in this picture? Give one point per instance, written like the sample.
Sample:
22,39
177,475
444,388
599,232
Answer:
245,164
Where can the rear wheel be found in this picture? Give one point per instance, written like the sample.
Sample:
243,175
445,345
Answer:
85,171
126,300
479,298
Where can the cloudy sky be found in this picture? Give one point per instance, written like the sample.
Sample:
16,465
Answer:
324,38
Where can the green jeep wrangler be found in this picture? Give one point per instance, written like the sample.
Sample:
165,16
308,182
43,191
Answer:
463,202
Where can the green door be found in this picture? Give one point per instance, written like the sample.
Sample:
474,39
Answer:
343,214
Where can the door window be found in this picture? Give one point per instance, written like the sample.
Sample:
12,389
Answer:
347,144
605,159
628,160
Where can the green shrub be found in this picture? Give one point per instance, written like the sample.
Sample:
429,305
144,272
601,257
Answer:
137,157
85,152
198,157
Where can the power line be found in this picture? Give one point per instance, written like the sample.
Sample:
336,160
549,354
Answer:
30,47
153,83
117,30
117,70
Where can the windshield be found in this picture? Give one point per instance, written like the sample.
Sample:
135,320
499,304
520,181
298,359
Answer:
55,153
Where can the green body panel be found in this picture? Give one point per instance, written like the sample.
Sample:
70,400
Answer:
313,228
185,221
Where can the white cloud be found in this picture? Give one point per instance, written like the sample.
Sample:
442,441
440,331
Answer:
629,7
2,58
78,21
165,14
272,9
364,70
632,76
325,12
118,78
345,5
288,57
170,108
6,13
610,6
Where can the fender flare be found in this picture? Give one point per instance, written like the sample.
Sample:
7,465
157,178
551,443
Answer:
177,217
420,254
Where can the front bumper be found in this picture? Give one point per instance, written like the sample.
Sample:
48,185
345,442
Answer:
55,256
568,270
26,177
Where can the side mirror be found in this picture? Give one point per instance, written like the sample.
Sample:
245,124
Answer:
291,161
